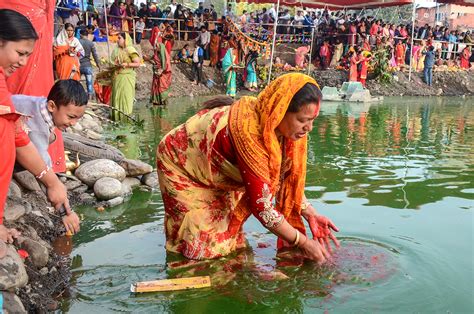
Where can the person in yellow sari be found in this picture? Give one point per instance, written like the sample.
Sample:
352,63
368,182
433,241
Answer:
237,158
126,58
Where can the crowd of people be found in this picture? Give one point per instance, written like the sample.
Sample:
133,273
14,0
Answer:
264,123
346,41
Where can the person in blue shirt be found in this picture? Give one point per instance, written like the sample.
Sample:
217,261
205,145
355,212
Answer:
429,63
65,7
198,59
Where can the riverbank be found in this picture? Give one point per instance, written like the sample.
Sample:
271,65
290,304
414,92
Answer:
445,83
35,273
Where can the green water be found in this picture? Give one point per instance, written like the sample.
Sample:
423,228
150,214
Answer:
397,179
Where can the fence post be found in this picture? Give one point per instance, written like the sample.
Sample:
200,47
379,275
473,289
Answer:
134,33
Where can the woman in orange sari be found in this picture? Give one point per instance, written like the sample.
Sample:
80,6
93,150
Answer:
67,50
238,158
214,49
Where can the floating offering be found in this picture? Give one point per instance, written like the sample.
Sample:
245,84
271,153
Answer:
171,284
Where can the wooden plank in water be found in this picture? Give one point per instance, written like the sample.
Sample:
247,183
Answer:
171,284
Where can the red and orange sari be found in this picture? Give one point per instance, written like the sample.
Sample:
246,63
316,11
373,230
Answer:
204,193
161,75
214,49
67,63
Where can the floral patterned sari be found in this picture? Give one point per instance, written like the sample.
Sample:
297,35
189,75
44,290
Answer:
204,193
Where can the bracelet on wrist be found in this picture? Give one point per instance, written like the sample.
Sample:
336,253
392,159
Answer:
43,173
297,239
302,243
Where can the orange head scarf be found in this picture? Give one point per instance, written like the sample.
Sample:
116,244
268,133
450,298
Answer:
252,125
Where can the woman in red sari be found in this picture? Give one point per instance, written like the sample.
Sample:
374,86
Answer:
465,55
161,75
353,68
400,54
168,39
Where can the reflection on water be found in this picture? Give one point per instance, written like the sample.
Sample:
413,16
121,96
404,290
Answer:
397,178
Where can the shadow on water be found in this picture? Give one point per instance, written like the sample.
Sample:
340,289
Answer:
397,179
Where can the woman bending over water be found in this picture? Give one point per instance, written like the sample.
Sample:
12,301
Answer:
237,158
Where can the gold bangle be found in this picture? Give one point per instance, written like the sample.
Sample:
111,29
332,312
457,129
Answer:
297,240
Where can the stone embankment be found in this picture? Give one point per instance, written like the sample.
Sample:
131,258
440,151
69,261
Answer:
35,271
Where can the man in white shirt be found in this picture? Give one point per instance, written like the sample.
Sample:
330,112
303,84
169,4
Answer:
203,40
172,7
298,22
272,13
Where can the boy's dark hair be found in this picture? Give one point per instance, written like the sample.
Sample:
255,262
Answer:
65,92
83,32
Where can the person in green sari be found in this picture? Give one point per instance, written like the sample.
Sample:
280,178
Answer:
126,59
228,65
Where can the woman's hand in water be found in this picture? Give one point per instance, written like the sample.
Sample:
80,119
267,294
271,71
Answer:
314,250
321,227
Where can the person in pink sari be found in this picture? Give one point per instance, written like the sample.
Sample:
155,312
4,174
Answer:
465,56
415,55
300,55
36,77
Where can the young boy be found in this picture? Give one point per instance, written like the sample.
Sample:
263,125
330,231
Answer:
196,69
64,106
139,28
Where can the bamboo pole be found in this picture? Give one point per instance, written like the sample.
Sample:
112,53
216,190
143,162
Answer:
273,43
412,38
106,29
311,49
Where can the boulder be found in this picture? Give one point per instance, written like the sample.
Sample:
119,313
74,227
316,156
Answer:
93,170
12,270
107,188
135,168
12,303
93,135
14,190
151,179
89,124
72,184
114,202
77,127
131,182
38,253
27,180
81,189
13,211
86,199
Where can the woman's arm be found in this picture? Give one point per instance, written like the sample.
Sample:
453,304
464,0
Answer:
134,64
